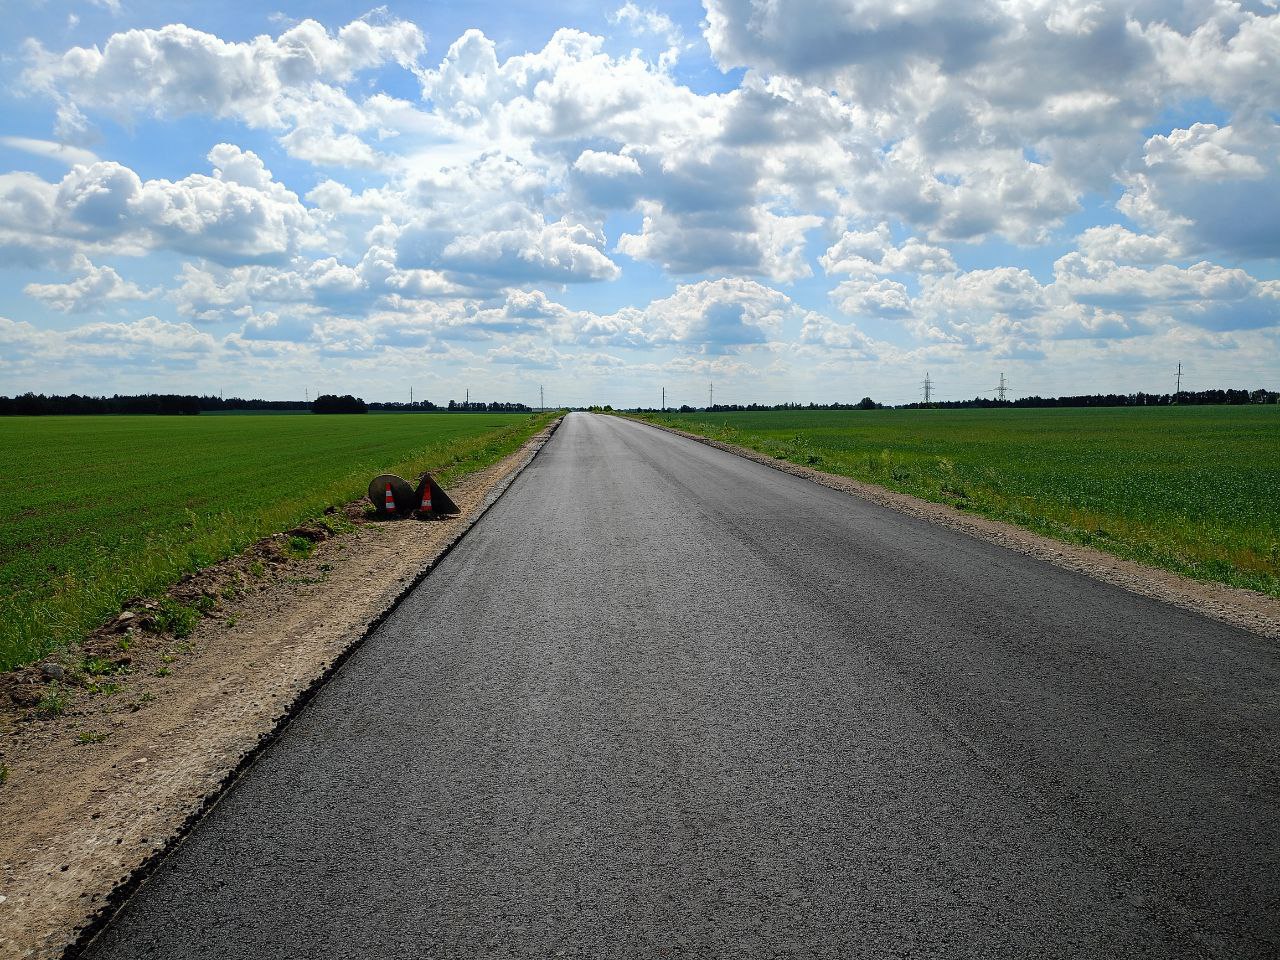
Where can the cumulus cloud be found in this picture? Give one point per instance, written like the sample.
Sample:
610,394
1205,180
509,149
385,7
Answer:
482,223
872,252
94,288
239,214
1211,189
293,82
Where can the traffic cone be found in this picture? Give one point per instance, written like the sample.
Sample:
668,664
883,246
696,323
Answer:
432,500
391,501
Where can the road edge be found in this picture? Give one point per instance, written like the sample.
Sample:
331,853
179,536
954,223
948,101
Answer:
127,888
1244,609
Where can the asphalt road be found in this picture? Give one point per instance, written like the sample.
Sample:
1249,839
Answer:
663,701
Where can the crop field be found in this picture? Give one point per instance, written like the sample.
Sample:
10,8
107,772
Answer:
94,510
1192,489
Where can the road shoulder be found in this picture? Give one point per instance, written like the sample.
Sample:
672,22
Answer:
98,789
1245,609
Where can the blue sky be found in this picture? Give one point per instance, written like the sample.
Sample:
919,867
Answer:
817,200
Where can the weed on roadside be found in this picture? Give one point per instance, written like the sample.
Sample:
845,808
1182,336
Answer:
176,618
55,700
299,548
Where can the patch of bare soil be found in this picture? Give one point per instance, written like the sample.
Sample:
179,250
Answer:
1246,609
110,751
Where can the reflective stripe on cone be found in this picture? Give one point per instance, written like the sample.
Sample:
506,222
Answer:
391,501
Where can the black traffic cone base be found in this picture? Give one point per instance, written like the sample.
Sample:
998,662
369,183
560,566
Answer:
401,494
440,502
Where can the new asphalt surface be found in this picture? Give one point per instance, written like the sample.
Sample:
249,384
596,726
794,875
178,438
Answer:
664,701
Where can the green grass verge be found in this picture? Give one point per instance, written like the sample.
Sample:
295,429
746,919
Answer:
94,510
1190,489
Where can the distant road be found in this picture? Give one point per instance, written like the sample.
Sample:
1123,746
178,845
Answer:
664,701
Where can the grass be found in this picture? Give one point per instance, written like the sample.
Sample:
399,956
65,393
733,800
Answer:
1190,489
95,510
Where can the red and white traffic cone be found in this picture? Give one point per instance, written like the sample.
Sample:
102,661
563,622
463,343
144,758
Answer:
426,498
391,501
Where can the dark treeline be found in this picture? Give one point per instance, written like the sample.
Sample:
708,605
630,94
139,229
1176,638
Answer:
1185,398
164,404
332,403
398,406
32,404
478,406
866,403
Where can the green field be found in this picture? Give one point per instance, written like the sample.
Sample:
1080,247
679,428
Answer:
1192,489
94,510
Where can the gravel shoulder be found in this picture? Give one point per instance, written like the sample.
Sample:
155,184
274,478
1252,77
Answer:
137,749
1246,609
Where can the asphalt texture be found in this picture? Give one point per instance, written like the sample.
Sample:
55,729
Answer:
663,701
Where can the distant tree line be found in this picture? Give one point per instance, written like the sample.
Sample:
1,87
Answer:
866,403
399,406
168,404
37,404
332,403
1186,397
477,406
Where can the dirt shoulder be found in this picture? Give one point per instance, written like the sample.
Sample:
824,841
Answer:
1246,609
111,751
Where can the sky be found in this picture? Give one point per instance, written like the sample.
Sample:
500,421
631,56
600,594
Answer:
795,200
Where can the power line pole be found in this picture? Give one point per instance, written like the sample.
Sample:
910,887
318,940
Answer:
928,387
542,403
711,395
664,398
411,396
1000,390
1179,381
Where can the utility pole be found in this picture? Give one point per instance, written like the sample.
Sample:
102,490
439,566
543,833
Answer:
664,398
928,387
711,395
466,404
1179,381
542,403
411,396
1000,390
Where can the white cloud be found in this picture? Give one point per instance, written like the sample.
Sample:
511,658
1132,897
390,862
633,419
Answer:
51,150
1211,189
645,20
754,241
94,288
293,82
872,252
240,214
482,224
1118,243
